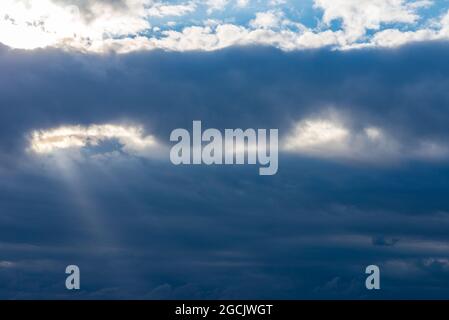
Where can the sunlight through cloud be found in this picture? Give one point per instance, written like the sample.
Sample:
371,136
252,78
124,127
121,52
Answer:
131,138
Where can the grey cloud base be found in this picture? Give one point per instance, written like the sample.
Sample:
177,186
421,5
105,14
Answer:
140,228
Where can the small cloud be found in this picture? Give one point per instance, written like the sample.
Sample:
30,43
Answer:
274,3
7,264
216,5
317,135
441,264
266,20
384,241
164,10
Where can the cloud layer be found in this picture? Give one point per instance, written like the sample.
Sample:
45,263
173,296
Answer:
363,173
131,25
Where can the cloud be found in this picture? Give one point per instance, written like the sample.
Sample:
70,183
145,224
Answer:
375,109
384,241
136,227
333,135
215,5
395,37
30,25
437,263
211,38
126,25
242,3
358,16
163,10
317,133
330,138
266,20
6,264
131,139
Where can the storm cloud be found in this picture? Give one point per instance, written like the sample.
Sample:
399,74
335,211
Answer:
140,227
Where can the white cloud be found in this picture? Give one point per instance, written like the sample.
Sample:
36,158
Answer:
316,135
394,37
272,29
132,139
215,37
242,3
359,15
164,10
266,20
124,25
274,3
33,24
330,136
216,5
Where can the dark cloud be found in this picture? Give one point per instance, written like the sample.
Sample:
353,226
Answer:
383,241
401,90
140,228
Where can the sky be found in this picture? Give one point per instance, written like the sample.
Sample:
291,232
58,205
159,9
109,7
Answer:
91,90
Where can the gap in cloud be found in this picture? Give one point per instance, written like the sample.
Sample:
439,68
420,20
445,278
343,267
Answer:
95,140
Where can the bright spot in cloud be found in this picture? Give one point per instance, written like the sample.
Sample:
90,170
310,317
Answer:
373,133
309,134
331,137
36,24
132,138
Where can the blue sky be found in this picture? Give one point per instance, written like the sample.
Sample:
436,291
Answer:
363,173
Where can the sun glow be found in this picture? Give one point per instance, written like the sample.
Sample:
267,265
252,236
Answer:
319,133
41,23
131,137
